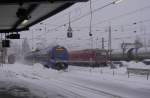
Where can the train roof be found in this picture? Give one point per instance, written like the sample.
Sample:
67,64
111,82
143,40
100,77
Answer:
45,50
14,12
89,50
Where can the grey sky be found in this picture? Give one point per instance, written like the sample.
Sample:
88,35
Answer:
122,27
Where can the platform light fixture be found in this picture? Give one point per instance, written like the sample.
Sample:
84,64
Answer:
117,1
24,21
22,14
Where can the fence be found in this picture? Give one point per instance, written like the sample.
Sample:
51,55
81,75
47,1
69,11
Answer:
138,71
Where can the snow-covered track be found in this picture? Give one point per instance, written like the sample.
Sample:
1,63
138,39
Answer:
74,87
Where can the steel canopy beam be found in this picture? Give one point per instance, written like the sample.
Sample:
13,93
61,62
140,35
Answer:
38,1
13,30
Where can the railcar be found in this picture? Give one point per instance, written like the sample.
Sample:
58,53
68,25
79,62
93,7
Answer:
89,57
52,57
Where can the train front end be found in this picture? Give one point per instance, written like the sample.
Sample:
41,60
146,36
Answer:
59,58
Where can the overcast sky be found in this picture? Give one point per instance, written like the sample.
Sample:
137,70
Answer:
121,17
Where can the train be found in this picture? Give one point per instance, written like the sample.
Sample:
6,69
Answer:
89,57
55,57
141,54
58,57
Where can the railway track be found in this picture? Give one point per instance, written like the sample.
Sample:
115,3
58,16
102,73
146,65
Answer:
83,90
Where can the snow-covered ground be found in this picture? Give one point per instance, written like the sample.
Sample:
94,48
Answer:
79,82
140,65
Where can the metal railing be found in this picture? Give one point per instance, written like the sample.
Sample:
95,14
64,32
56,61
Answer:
138,71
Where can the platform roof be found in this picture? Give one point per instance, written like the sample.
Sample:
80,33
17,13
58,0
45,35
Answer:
36,11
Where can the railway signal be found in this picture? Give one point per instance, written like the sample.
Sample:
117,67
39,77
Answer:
13,36
5,43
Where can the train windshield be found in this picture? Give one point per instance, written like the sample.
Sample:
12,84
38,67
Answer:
61,53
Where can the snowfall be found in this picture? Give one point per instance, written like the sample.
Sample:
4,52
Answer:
25,81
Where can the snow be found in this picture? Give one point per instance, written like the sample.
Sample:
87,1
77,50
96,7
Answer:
140,65
29,76
118,84
77,82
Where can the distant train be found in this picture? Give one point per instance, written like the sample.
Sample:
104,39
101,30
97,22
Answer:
132,55
52,57
89,57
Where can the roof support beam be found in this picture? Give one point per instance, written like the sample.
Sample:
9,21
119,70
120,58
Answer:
13,30
38,1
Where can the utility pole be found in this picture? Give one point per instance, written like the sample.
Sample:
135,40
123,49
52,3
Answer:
102,42
123,47
145,38
110,42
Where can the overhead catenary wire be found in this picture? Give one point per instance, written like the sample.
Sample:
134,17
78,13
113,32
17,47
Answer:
82,6
114,27
124,15
95,10
124,25
143,21
86,14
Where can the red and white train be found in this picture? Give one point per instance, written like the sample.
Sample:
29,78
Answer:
89,57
